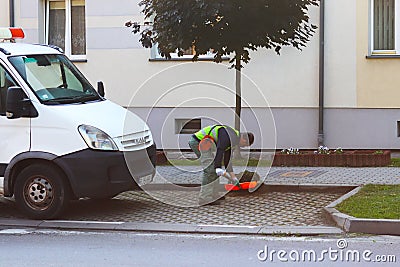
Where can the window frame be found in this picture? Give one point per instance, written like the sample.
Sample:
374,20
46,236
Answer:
68,29
396,50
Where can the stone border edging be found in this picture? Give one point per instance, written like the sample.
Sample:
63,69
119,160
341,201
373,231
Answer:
352,224
265,187
171,228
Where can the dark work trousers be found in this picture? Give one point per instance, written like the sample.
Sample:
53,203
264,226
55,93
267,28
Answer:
210,181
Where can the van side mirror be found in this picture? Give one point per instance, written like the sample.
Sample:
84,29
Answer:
14,106
100,88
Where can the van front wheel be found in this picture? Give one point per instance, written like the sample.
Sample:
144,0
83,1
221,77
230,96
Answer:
40,192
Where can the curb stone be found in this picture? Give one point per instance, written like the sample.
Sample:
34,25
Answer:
352,224
172,228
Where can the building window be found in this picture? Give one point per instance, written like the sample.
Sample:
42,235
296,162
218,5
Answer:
383,27
66,27
187,126
398,128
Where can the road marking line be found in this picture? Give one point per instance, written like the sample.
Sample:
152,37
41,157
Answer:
15,231
83,222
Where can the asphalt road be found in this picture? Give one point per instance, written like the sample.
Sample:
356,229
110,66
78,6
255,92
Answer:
24,247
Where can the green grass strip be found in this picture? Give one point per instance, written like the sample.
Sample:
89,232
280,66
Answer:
395,162
373,202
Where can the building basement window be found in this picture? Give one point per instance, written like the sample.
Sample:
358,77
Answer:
187,126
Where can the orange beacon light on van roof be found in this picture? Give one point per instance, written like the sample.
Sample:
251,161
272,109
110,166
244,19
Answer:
11,33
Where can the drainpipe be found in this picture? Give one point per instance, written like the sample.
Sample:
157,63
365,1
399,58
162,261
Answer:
12,15
321,137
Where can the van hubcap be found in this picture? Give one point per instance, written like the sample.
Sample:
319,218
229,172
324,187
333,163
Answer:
38,193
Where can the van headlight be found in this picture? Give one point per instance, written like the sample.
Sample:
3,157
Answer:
96,138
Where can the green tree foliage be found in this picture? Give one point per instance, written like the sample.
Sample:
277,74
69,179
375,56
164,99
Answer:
227,27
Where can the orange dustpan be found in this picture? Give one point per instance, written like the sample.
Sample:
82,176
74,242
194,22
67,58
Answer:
244,186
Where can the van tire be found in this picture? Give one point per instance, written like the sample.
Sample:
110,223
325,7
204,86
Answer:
41,192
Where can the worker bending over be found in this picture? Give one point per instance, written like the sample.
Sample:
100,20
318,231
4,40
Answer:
220,139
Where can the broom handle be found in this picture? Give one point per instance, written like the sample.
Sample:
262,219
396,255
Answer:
235,182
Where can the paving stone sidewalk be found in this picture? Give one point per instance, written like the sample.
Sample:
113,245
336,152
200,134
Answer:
268,208
259,209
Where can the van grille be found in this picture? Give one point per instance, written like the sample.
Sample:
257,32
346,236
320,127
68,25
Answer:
136,141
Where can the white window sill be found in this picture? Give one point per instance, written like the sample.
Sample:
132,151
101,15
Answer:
383,56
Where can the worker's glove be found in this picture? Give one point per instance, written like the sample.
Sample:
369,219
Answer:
220,172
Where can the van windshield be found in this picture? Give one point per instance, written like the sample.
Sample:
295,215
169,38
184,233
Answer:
54,79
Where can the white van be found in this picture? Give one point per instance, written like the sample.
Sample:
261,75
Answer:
60,139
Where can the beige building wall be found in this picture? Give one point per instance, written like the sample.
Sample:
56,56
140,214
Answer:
4,13
378,80
340,54
148,81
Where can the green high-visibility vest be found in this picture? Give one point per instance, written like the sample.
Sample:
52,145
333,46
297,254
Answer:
212,131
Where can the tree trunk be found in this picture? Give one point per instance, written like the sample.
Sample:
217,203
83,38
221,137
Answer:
238,107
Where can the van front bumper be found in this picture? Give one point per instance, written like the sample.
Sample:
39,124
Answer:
102,174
